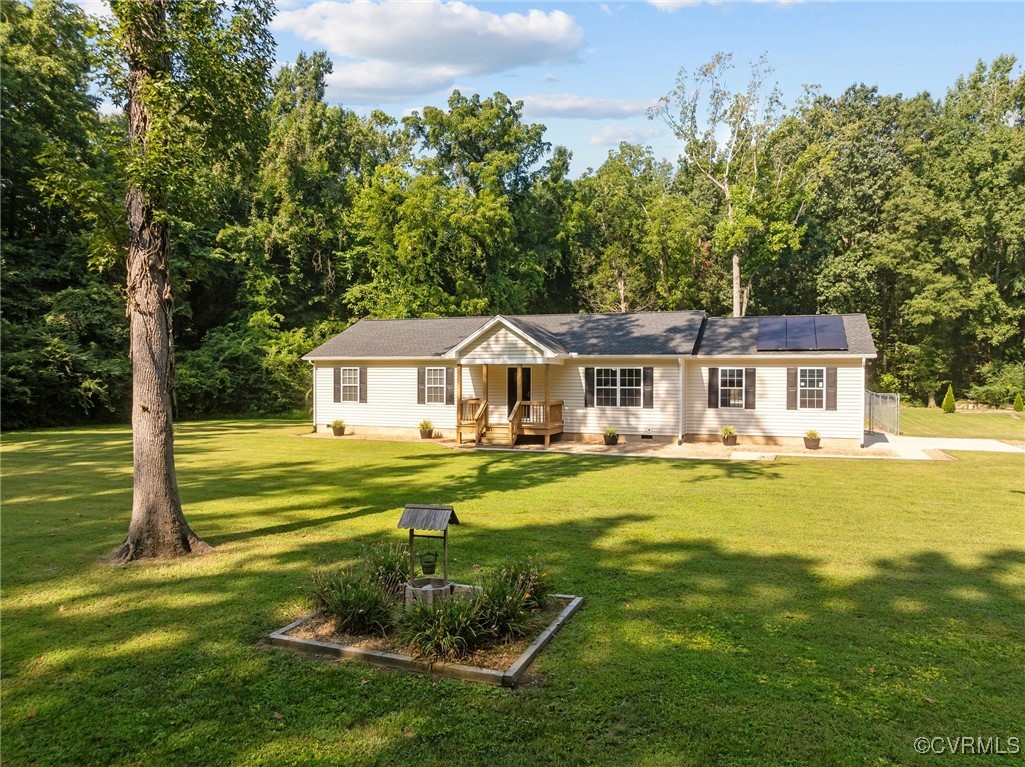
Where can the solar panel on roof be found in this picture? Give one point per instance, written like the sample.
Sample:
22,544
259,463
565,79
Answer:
829,333
800,334
772,334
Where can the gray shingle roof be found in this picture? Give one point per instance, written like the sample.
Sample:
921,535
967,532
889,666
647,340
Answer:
636,334
739,336
639,333
399,338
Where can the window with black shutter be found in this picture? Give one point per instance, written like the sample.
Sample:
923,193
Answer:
830,388
450,386
791,388
713,387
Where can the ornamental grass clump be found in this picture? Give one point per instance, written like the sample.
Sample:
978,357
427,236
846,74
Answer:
509,595
444,630
503,606
534,577
358,601
501,610
387,564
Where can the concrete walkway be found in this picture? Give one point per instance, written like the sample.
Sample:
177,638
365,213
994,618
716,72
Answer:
913,448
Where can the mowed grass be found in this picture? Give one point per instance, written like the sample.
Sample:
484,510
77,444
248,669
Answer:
984,424
802,612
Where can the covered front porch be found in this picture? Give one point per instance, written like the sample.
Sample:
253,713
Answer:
506,404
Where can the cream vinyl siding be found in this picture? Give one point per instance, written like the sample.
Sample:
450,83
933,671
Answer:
770,418
498,388
661,420
391,396
499,344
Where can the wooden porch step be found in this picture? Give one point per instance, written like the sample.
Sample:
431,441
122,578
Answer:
496,435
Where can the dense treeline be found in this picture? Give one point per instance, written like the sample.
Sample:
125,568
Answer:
911,210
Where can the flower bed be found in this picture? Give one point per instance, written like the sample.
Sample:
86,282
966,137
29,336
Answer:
501,664
489,632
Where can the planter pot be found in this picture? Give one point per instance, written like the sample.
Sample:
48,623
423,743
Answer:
426,433
339,431
611,440
730,441
812,444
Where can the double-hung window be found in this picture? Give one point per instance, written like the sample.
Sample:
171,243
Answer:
617,387
811,388
350,385
435,386
731,387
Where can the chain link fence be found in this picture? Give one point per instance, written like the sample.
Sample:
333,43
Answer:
882,412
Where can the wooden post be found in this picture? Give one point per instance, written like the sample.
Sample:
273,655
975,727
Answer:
459,404
485,376
412,559
548,411
519,398
444,548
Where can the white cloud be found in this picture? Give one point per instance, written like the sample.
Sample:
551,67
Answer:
570,105
387,49
604,7
108,108
97,8
671,6
612,135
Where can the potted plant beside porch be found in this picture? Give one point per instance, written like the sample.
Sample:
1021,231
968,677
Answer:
338,427
811,439
729,435
426,429
611,435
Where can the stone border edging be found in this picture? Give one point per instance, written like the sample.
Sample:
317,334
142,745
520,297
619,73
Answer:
508,678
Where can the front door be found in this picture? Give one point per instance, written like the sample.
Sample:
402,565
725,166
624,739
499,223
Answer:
511,387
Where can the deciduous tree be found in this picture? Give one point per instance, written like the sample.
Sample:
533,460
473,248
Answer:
726,136
191,75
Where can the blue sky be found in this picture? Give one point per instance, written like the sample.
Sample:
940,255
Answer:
587,70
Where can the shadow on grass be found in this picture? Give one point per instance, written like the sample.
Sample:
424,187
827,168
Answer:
686,652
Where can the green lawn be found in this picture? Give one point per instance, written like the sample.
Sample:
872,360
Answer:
803,612
933,422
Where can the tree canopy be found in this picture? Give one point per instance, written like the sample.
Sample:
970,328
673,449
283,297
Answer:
295,220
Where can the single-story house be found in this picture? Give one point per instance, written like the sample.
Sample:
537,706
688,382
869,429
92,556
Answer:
651,375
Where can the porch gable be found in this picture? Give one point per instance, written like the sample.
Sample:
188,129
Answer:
500,342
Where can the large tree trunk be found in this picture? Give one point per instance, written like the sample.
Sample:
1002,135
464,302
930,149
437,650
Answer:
158,527
738,310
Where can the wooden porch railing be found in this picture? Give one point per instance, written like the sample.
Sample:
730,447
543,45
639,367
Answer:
534,414
472,413
468,409
515,422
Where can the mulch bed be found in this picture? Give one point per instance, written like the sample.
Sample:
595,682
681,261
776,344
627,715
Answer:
322,628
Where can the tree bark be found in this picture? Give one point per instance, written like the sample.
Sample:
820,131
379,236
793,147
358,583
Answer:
737,308
158,528
745,299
